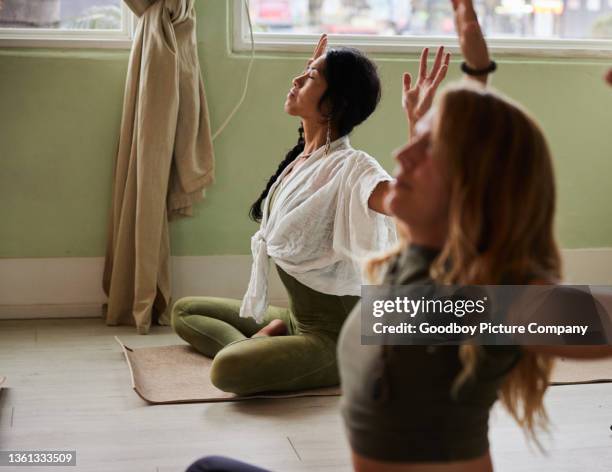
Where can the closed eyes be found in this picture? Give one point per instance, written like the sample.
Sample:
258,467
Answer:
310,70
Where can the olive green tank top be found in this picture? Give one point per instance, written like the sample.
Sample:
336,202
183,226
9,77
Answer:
313,312
397,402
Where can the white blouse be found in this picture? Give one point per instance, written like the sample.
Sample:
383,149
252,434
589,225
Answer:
321,227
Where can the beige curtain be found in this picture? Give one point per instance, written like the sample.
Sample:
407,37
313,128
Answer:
164,161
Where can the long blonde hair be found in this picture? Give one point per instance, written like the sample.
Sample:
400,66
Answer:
500,228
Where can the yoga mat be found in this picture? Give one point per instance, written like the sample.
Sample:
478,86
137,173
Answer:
180,374
570,371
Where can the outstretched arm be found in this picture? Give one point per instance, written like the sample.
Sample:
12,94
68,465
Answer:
471,40
573,352
377,198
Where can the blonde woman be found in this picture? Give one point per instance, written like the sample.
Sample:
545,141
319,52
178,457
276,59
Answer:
423,408
455,200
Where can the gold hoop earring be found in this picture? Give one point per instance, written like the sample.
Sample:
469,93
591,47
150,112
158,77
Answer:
328,141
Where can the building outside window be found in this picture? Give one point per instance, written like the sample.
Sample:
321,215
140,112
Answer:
540,19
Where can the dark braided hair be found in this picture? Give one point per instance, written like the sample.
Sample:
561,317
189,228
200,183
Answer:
256,210
352,94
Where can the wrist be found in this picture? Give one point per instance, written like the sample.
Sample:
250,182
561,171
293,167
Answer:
477,64
411,117
411,132
480,70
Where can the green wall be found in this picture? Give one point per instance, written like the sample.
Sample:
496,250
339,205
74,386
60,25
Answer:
60,115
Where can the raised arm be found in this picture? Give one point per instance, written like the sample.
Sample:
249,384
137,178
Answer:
474,48
319,50
417,97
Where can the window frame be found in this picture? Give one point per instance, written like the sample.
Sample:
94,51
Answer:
282,42
74,38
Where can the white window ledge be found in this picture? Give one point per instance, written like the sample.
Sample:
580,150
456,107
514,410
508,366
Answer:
65,43
271,42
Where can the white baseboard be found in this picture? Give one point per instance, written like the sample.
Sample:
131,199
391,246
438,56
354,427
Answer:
587,266
59,310
72,287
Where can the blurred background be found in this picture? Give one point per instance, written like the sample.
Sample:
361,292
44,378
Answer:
61,14
500,18
568,19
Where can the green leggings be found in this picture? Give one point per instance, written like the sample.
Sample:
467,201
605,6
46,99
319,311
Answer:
304,358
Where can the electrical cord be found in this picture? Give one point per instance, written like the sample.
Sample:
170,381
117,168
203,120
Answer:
221,128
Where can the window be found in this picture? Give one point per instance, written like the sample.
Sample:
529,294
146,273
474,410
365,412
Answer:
536,27
81,23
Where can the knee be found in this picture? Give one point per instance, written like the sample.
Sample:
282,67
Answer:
228,371
222,464
208,463
179,310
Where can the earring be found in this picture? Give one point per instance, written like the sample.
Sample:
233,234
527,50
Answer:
328,141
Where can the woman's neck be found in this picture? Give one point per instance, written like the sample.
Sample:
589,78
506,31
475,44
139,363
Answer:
428,237
315,135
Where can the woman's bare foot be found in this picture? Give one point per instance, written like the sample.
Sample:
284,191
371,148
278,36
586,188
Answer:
273,328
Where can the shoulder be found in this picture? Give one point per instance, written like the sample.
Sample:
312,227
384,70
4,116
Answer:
356,160
362,157
347,152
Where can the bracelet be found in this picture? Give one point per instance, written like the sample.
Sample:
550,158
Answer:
492,67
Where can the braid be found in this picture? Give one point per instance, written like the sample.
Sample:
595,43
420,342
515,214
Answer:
256,210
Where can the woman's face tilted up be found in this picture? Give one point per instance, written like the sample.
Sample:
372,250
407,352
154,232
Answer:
306,91
419,197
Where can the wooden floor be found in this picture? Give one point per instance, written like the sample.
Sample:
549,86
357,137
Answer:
68,388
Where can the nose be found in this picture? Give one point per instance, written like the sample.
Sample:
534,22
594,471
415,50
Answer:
406,157
299,80
413,153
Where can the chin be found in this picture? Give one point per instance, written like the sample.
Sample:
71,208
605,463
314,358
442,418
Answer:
398,204
290,108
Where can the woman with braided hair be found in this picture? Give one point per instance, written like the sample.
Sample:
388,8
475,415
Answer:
319,213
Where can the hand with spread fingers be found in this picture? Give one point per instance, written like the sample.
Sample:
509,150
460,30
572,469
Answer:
471,39
417,98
